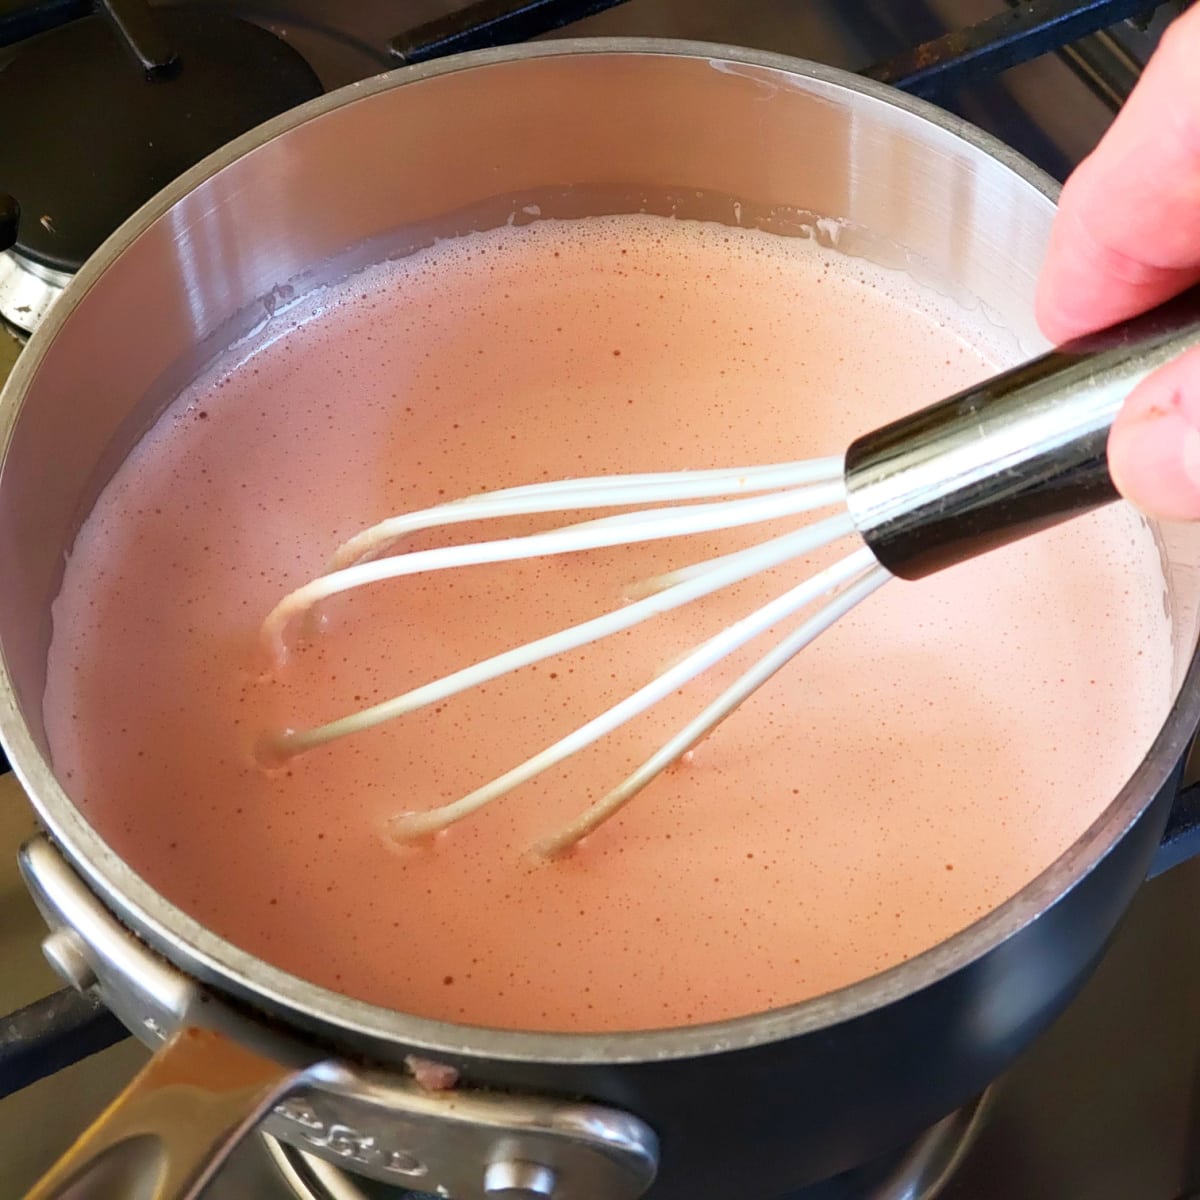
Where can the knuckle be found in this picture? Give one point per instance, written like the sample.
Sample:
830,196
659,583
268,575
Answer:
1114,249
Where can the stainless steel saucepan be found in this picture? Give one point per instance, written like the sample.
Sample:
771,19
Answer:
754,1107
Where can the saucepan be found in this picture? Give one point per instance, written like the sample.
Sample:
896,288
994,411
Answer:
758,1106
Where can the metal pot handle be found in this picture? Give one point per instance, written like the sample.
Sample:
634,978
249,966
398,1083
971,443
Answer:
172,1128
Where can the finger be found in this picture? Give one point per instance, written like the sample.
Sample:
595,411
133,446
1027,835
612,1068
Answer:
1154,446
1127,233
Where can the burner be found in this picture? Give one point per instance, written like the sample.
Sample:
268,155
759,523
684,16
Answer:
919,1172
113,108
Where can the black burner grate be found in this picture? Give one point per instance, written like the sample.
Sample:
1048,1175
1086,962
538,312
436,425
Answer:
1024,32
52,1033
491,23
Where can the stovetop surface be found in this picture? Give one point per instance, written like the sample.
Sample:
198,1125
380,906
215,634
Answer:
1106,1106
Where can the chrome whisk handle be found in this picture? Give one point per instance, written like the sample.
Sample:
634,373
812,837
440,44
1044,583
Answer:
1017,454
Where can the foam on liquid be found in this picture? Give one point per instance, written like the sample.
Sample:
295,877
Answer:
910,771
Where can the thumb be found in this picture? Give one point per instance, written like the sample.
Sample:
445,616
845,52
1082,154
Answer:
1154,446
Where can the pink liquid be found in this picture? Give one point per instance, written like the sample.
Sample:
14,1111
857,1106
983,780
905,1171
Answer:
914,768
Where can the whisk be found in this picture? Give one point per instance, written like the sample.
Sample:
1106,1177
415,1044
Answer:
1012,456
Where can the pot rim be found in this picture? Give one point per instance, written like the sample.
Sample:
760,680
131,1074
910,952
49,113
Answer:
215,961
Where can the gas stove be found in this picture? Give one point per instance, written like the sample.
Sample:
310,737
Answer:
116,98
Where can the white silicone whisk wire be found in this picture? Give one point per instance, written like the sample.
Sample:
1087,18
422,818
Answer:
760,494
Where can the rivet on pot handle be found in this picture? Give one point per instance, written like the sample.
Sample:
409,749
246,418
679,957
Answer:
173,1127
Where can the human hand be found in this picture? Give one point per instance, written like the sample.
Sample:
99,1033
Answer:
1127,237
